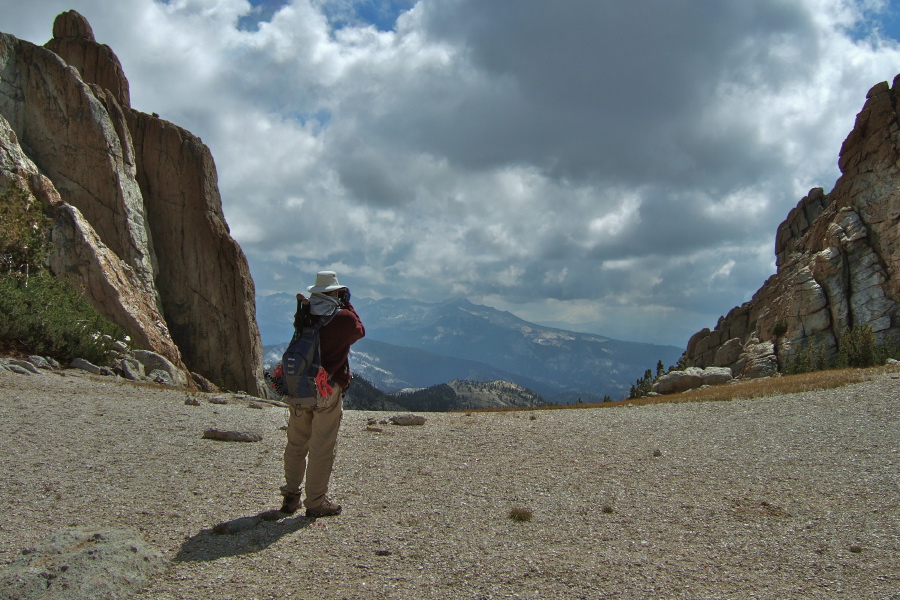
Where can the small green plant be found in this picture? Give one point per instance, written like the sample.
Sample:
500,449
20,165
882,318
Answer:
533,417
520,515
24,230
48,317
807,359
642,386
859,349
607,509
41,314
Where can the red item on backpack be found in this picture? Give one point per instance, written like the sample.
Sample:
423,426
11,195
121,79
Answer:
322,384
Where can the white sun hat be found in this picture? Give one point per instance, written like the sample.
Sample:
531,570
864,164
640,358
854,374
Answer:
326,281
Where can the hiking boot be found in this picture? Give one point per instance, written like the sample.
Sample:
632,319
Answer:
326,509
291,502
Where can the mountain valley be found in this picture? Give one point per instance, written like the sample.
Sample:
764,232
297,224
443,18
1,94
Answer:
414,344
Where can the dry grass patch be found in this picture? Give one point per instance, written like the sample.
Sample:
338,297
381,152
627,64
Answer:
777,386
754,388
520,515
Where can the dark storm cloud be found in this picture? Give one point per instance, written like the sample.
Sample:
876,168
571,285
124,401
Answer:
600,89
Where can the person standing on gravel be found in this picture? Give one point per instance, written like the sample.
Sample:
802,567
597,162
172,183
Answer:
313,427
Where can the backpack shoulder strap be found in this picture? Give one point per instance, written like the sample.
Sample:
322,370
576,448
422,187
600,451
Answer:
302,321
323,321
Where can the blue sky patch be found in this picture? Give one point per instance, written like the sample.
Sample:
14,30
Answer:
380,13
886,22
321,117
263,11
383,14
890,22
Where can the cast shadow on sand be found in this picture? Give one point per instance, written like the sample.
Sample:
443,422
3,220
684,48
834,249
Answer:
240,536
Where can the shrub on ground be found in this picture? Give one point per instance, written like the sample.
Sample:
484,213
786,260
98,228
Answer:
642,386
49,318
24,232
858,348
39,313
807,360
520,514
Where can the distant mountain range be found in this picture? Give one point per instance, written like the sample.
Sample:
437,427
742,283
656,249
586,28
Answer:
413,344
455,395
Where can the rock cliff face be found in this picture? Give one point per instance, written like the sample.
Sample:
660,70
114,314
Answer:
139,222
837,257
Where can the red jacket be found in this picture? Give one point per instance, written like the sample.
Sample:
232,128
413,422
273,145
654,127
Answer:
336,338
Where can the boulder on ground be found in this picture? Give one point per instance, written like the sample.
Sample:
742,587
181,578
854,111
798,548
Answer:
765,366
231,436
156,362
27,365
675,382
716,375
132,369
80,363
79,563
40,362
408,419
161,377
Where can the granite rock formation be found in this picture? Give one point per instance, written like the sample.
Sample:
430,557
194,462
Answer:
837,257
691,378
138,216
83,562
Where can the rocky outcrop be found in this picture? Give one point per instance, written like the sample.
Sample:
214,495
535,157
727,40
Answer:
139,222
79,255
83,562
204,280
73,39
675,382
81,146
837,257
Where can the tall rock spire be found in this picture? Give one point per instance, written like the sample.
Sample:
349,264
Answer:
73,39
141,225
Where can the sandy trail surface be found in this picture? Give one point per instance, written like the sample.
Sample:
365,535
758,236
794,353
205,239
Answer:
785,497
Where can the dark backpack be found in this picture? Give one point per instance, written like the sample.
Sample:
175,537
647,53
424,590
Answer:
302,360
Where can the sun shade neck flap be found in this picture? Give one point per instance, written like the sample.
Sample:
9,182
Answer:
322,305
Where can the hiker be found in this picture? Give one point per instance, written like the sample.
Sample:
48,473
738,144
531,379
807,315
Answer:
313,425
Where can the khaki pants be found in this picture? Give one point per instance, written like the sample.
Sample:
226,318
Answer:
312,437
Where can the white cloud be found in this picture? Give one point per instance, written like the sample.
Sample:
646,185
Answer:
556,277
724,270
548,157
610,225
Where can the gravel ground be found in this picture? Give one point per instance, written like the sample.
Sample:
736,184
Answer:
785,497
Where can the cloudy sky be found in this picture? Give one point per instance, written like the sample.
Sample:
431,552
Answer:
620,167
